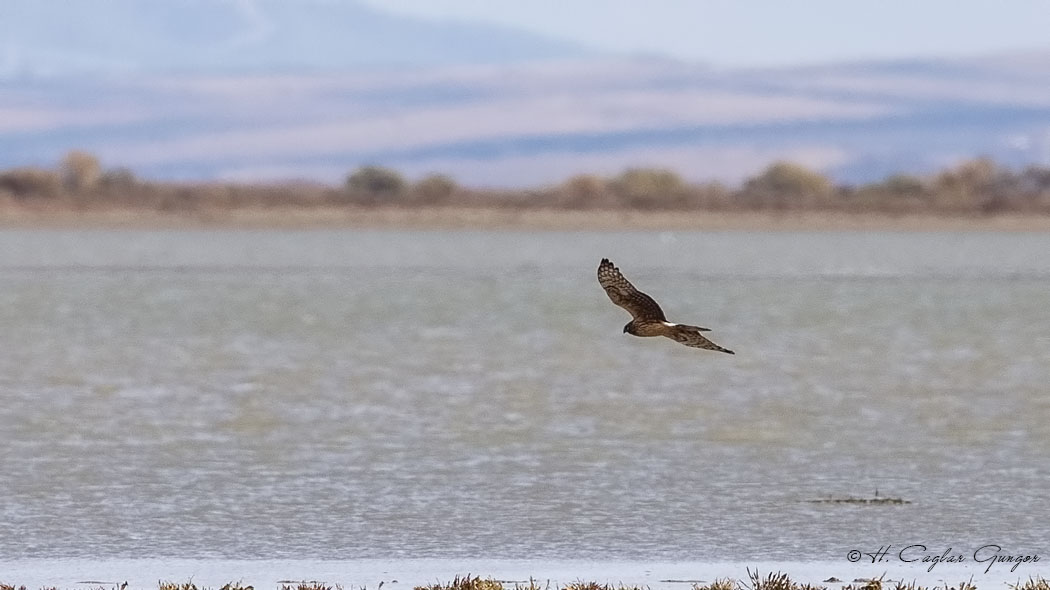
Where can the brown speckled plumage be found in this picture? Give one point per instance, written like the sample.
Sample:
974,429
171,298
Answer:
649,319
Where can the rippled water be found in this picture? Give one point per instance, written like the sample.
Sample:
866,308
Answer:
349,394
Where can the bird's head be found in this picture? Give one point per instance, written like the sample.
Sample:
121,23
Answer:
629,328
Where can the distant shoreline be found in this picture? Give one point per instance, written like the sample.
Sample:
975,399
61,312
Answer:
537,219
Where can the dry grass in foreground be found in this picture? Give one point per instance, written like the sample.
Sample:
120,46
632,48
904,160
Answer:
755,581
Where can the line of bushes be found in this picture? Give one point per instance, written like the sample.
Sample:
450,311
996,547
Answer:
978,186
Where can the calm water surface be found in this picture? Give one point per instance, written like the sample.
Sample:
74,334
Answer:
388,394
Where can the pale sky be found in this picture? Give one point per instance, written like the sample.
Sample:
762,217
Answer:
734,33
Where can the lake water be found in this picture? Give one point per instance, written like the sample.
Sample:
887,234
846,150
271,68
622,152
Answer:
385,395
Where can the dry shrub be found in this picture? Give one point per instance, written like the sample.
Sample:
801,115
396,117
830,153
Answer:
80,171
433,189
785,185
30,182
166,585
375,185
311,585
581,585
1036,583
719,584
649,188
585,191
465,583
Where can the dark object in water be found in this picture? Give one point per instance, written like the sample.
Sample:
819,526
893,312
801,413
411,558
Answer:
852,500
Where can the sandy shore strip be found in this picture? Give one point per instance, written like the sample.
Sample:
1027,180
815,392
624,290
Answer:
446,218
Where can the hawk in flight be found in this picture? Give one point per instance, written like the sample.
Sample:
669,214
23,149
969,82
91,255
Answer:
648,319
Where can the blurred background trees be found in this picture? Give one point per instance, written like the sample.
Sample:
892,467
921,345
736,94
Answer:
784,185
976,186
80,171
433,189
374,185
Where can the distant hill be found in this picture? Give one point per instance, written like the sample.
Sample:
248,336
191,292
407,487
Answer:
57,37
528,114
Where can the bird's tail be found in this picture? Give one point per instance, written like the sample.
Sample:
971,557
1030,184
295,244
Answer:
690,336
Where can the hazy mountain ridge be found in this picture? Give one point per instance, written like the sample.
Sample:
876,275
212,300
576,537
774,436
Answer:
524,122
63,37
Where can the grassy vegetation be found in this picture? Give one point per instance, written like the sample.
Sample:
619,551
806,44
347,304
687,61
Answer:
755,581
977,187
781,581
473,583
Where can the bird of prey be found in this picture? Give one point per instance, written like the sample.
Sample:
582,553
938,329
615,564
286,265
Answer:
648,319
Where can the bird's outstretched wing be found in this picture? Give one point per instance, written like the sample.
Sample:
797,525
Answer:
623,293
691,337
